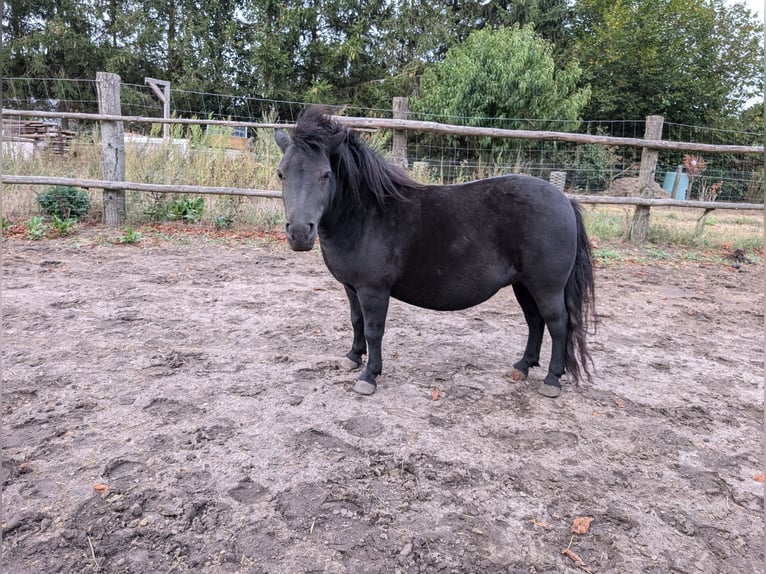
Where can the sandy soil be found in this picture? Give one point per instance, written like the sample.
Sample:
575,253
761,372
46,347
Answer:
177,408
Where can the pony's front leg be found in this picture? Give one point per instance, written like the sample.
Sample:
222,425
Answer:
374,304
353,359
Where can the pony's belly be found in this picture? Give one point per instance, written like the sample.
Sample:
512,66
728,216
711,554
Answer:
450,294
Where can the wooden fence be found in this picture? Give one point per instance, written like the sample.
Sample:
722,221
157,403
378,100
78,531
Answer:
113,155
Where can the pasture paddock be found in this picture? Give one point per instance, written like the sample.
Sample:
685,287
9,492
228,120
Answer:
177,407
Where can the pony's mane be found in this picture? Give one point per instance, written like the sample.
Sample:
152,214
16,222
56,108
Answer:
360,171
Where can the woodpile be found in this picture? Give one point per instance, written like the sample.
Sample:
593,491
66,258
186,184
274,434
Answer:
44,135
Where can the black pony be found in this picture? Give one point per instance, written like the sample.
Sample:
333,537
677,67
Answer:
443,247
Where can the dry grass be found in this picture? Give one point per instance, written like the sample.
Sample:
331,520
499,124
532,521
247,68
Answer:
720,231
206,162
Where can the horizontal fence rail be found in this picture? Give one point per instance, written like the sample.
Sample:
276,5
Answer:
206,190
136,186
112,118
420,126
655,202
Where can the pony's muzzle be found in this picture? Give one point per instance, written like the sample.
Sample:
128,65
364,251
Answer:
301,236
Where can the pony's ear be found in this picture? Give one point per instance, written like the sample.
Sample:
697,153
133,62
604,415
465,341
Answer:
283,140
335,141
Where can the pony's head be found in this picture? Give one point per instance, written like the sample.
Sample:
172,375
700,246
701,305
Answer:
308,180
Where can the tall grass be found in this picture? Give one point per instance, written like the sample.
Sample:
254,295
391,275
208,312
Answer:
204,161
679,227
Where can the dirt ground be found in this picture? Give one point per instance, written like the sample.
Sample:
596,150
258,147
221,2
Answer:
176,407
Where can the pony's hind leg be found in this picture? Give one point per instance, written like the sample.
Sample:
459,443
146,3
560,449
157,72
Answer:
353,359
554,314
536,326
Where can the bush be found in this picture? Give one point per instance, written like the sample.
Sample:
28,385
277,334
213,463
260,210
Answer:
186,209
64,202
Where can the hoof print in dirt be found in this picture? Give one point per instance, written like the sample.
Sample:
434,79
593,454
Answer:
171,410
363,426
247,491
122,474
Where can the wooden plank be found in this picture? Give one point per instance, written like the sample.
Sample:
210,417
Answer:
206,190
412,125
135,186
651,202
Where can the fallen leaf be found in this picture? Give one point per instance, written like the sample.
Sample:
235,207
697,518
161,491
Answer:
581,524
596,414
758,477
435,394
540,524
619,403
98,487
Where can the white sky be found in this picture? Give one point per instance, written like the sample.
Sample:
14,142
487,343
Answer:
756,6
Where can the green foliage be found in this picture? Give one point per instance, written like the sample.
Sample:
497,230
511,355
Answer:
607,256
64,202
507,73
36,228
607,226
693,61
186,209
129,236
223,222
593,166
63,226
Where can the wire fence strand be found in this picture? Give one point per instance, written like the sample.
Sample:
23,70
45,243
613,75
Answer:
436,158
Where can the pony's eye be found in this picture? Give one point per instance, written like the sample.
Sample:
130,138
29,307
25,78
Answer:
327,174
280,175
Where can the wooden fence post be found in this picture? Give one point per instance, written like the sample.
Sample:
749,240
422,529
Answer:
399,145
639,228
112,147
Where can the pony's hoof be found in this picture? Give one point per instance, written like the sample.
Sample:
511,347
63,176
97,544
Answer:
364,387
551,391
348,365
517,375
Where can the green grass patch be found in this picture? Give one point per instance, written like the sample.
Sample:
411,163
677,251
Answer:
604,225
606,256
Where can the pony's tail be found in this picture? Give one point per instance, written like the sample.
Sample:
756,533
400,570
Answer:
580,301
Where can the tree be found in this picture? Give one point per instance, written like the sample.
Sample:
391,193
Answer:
507,73
316,51
43,39
365,53
692,61
547,16
192,43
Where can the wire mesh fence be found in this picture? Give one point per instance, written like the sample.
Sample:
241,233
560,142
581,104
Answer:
437,158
